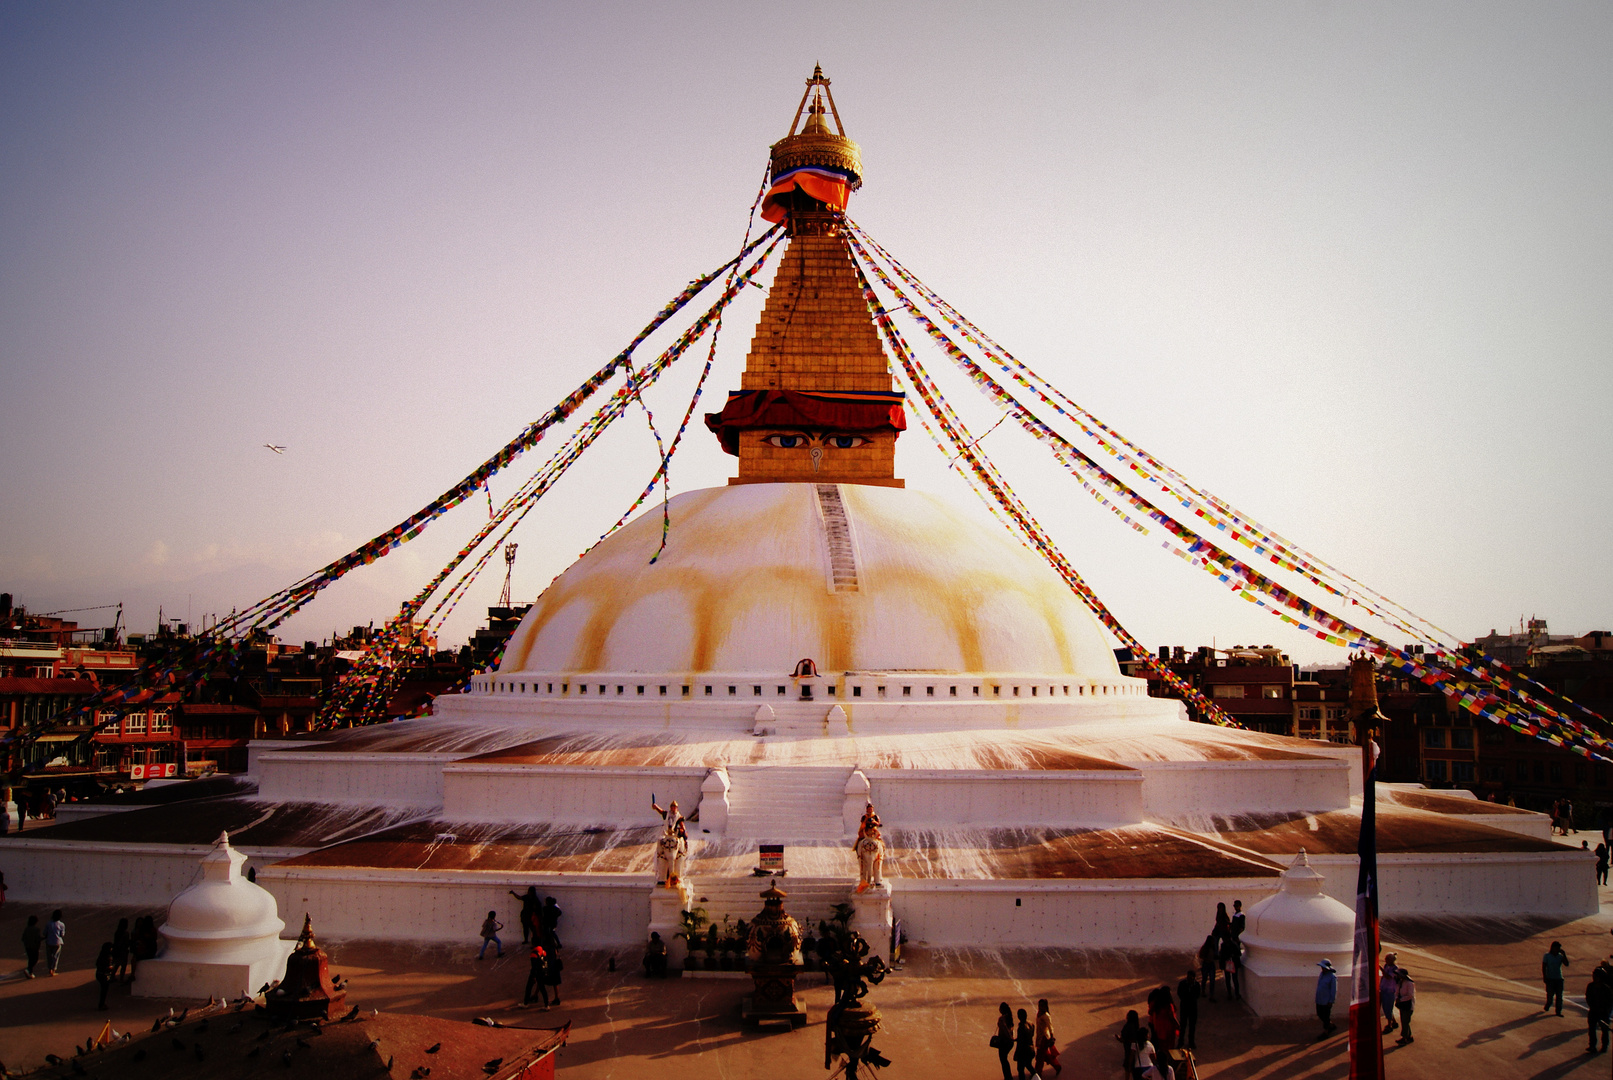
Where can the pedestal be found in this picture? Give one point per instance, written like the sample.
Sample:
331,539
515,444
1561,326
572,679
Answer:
871,917
773,1000
666,918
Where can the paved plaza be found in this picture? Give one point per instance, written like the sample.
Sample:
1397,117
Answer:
1478,1013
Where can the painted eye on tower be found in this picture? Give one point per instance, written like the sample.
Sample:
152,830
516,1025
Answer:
788,442
844,442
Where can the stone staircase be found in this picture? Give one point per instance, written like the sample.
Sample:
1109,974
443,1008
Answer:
778,804
810,899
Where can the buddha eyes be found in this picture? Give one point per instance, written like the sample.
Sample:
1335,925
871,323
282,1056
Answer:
839,442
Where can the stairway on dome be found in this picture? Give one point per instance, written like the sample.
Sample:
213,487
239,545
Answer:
778,803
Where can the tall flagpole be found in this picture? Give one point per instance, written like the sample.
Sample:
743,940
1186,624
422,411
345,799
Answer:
1366,1038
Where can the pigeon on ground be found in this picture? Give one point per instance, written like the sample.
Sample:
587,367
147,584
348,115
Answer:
352,1014
285,1059
53,1059
420,1072
303,1043
491,1067
433,1048
156,1024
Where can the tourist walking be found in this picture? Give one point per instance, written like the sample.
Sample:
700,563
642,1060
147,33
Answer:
1598,1006
1187,994
490,928
55,935
1327,991
1405,1001
121,943
529,913
1162,1017
1239,919
1231,958
103,972
32,938
1024,1046
536,986
551,975
1386,991
1131,1039
1223,923
1003,1041
1047,1048
549,923
1601,864
1551,973
1207,965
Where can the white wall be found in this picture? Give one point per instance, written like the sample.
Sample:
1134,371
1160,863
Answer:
392,780
1237,787
938,799
69,871
1553,884
600,909
595,796
1148,914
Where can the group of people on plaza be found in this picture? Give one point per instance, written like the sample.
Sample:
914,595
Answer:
540,931
1598,994
116,962
1032,1047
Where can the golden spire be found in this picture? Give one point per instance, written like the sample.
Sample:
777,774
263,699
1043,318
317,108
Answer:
815,403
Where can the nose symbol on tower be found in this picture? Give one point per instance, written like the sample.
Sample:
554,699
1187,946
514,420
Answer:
817,457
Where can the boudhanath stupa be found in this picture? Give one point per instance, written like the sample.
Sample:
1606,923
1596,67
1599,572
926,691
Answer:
815,636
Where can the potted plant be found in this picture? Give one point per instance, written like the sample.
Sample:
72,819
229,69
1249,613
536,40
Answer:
693,922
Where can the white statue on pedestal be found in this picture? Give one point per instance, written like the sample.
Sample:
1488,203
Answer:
672,850
870,849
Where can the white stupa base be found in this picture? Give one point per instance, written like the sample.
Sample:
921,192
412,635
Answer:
201,979
1290,992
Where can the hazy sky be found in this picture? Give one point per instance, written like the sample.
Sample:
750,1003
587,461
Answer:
1348,266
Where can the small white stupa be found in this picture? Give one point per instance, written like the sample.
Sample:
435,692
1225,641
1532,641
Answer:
1288,935
222,936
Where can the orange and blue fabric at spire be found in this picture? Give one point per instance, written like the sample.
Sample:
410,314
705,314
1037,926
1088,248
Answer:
828,185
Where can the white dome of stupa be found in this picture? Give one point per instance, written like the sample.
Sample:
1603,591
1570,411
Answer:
756,577
222,912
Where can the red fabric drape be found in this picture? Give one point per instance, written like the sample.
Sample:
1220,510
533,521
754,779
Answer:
788,409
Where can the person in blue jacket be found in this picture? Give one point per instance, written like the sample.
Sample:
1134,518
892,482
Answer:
1327,991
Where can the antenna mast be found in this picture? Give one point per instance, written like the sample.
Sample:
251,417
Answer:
509,570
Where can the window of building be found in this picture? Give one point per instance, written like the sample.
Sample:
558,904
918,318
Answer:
1462,772
1461,738
1540,772
1495,773
856,691
929,691
1556,772
162,720
134,724
1272,692
686,690
1226,691
907,691
1579,772
1599,774
1434,739
1434,771
708,689
663,691
976,690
